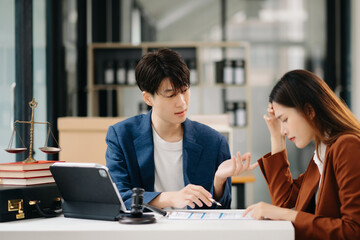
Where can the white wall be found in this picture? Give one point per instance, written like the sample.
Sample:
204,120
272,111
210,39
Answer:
355,57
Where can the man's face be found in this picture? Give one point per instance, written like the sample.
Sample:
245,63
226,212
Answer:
168,107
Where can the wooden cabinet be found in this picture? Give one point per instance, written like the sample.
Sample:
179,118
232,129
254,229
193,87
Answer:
82,139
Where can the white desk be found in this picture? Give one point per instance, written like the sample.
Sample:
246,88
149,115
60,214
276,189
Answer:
82,229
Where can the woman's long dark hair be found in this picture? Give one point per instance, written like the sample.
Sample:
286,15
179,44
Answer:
302,89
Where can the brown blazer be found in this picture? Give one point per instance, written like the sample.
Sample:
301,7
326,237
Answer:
337,211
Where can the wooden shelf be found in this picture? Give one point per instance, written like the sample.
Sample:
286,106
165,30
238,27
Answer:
245,177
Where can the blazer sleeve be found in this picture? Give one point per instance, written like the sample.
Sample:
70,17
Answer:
223,155
119,169
346,165
283,189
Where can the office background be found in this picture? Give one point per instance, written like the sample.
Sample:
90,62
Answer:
43,54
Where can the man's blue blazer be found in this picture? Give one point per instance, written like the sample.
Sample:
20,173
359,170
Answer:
130,157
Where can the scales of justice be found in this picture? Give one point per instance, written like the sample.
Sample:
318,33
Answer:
45,149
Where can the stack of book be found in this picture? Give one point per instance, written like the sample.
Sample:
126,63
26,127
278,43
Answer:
25,174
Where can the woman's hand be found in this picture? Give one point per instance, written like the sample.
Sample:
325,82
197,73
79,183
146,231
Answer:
272,123
274,126
232,167
263,210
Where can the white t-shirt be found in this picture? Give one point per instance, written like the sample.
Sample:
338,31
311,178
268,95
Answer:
168,164
319,161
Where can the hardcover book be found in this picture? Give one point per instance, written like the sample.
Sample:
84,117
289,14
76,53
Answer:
21,166
25,173
26,181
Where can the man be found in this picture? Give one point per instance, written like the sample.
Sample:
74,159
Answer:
177,161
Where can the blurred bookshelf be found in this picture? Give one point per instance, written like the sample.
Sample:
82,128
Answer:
223,66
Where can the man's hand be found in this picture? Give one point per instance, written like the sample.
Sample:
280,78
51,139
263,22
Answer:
232,167
188,196
235,166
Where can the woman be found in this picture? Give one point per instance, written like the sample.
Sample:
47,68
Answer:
324,202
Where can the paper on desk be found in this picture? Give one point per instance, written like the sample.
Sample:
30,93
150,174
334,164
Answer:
207,215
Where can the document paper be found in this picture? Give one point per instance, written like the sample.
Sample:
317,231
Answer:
208,215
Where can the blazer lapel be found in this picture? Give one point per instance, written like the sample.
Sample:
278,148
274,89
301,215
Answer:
323,176
308,187
191,152
144,148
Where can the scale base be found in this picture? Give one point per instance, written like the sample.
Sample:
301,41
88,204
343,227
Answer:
29,160
143,219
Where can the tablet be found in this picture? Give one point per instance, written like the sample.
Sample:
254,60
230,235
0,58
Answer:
87,191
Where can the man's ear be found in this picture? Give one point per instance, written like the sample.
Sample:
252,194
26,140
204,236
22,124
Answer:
309,111
147,98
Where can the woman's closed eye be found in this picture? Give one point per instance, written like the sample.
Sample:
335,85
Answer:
282,119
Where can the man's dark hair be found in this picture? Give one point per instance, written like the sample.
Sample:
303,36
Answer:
154,67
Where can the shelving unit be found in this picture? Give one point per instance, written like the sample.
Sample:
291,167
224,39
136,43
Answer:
205,59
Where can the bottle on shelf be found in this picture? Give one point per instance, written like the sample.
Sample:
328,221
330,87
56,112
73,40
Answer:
131,73
121,73
193,71
228,72
237,113
109,72
230,110
224,72
240,112
239,72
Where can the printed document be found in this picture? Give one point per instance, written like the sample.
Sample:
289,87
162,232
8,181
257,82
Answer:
208,215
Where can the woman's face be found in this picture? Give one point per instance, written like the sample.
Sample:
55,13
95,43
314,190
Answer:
294,125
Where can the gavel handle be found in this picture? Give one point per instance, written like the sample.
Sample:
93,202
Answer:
155,209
